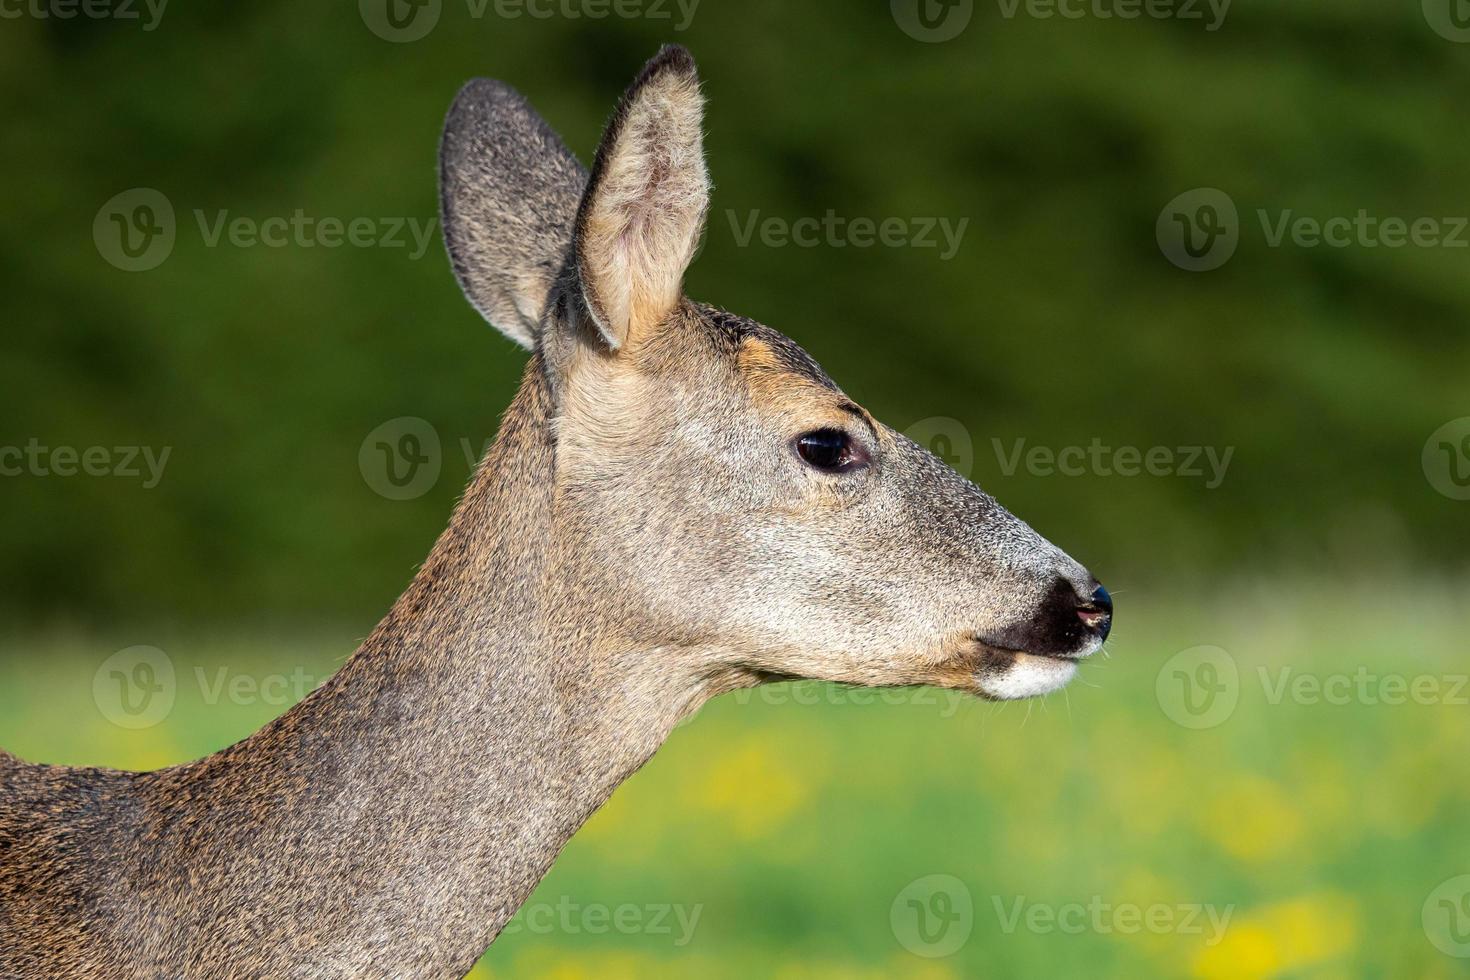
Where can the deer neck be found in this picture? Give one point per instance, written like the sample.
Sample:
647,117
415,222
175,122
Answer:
458,750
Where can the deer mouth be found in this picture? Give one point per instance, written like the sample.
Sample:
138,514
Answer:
1040,654
1010,675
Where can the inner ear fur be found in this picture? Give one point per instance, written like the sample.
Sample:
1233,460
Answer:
639,223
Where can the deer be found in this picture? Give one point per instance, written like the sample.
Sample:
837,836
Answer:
679,503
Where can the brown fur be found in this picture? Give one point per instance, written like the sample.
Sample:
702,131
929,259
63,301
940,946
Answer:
640,538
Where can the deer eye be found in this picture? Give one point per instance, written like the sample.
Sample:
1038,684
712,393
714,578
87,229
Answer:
830,450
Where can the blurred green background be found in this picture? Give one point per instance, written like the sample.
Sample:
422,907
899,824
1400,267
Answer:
1333,543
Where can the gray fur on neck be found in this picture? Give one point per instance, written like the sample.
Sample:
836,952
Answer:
391,823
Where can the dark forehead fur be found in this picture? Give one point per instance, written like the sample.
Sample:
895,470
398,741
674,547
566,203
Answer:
730,331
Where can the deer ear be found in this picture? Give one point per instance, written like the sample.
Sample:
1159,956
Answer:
508,193
640,221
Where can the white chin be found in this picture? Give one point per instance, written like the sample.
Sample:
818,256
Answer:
1027,677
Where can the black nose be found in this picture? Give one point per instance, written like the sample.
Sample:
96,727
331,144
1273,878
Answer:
1097,613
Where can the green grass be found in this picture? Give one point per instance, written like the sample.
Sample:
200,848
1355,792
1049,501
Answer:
791,828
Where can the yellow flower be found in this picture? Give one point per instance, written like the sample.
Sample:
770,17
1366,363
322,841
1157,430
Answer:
551,964
754,785
1282,938
1251,819
905,966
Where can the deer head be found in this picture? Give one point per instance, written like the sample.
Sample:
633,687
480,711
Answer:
679,502
716,494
